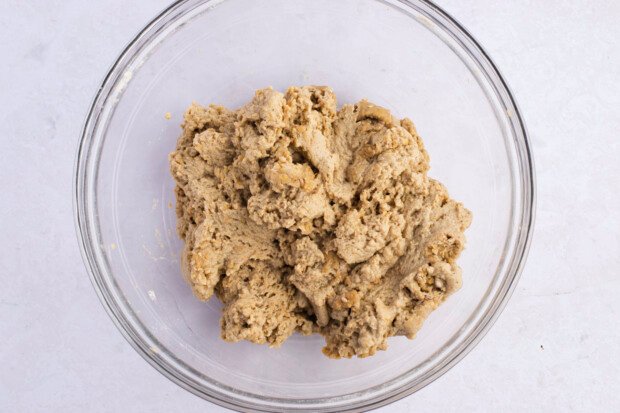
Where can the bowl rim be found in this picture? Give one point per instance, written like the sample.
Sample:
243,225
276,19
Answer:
248,402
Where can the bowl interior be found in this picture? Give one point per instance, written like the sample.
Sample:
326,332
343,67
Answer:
220,52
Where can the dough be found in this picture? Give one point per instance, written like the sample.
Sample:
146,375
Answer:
302,217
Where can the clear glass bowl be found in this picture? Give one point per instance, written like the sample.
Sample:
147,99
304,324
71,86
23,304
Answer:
408,56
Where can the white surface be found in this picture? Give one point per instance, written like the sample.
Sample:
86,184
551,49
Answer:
555,347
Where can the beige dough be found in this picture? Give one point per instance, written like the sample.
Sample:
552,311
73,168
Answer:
302,217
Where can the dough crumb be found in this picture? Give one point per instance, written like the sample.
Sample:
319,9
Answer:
168,115
302,217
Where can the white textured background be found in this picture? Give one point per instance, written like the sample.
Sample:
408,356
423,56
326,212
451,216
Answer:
556,347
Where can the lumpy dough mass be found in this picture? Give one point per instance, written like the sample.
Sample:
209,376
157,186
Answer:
302,217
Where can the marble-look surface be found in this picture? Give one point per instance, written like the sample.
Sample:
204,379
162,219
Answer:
555,347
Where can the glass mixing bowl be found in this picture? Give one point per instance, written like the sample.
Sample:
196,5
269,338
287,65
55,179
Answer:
408,56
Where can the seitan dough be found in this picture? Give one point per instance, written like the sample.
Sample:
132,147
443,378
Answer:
302,217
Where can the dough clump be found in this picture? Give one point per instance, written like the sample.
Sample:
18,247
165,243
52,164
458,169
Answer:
302,217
